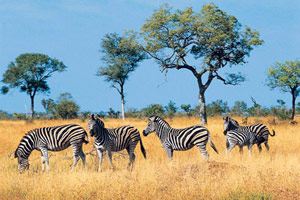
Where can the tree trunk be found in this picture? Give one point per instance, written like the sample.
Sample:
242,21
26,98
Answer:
293,105
32,107
122,104
203,116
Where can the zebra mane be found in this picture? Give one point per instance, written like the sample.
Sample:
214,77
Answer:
155,118
99,122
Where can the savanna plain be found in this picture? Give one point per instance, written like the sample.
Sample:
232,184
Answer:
268,175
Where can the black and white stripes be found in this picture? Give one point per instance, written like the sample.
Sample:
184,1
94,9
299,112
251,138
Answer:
260,131
179,139
112,140
47,139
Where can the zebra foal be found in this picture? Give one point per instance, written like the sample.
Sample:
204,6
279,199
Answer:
113,140
179,139
47,139
260,130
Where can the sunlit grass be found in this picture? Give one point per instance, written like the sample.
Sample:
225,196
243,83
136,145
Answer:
273,175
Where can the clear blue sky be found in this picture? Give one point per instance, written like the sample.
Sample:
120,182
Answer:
71,31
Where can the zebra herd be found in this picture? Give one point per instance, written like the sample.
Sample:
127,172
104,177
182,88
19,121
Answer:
59,138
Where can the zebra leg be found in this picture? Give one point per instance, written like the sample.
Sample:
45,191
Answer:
43,163
249,149
259,147
203,152
110,158
76,150
228,149
82,156
100,154
241,150
131,154
267,146
169,153
45,158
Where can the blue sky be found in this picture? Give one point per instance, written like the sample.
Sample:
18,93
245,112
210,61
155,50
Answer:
71,31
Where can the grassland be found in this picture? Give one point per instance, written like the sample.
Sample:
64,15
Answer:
269,175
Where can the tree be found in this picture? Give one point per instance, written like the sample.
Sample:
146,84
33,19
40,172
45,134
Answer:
217,107
29,73
121,56
239,108
49,105
66,108
212,37
153,109
187,109
171,109
286,77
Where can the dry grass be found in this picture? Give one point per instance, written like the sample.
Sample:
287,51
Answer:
273,175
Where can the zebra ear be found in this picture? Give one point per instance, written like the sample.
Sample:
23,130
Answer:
92,117
226,118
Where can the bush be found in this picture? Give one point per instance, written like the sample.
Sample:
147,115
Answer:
171,109
217,107
153,109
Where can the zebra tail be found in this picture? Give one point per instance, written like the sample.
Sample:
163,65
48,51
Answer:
88,138
212,144
143,149
273,133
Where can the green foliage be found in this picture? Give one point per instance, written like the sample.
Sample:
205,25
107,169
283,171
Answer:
49,105
153,109
66,108
133,113
29,73
170,109
248,196
113,114
284,76
212,37
187,109
239,108
280,111
217,107
4,115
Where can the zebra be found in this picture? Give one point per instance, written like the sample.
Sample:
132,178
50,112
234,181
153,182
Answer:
239,138
113,140
260,130
179,139
47,139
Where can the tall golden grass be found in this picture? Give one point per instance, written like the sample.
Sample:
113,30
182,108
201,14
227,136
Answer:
269,175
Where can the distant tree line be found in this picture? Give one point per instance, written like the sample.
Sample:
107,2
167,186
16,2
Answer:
66,108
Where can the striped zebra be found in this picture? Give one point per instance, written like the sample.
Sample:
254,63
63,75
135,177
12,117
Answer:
179,139
47,139
261,131
113,140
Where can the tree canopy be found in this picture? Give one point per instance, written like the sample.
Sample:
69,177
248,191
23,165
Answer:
203,43
29,73
286,77
121,55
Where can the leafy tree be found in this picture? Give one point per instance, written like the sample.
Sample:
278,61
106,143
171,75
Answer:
153,109
212,37
217,107
286,77
66,108
239,108
29,73
171,109
121,54
113,114
187,109
49,106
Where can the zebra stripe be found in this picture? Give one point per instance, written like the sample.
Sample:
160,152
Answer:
260,130
179,139
47,139
236,137
113,140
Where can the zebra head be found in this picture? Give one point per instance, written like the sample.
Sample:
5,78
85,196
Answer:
95,125
22,160
229,124
151,125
